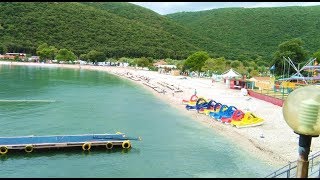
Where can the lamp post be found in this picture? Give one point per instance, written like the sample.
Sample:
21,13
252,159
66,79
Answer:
301,111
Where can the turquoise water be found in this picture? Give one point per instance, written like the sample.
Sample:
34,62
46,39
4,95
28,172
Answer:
173,145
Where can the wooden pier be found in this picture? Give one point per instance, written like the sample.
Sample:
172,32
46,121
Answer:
84,142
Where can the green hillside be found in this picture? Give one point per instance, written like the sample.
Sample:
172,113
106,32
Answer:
121,29
81,28
255,31
145,16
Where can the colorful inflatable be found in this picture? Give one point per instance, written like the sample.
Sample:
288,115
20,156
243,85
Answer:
223,113
236,116
226,114
216,108
201,102
193,100
210,106
248,120
221,110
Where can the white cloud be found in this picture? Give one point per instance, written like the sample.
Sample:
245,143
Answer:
172,7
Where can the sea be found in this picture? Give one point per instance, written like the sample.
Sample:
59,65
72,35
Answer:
37,100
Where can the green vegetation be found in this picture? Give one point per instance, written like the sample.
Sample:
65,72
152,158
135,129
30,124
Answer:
250,40
95,56
65,55
317,55
254,32
292,49
46,52
81,28
201,62
196,61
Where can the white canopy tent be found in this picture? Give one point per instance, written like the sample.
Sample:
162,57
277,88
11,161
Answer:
231,74
228,75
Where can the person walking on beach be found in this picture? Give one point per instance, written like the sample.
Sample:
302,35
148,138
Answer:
195,91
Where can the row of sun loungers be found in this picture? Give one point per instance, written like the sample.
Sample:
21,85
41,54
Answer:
171,87
155,87
146,81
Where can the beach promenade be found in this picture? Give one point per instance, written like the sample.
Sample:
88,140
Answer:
273,142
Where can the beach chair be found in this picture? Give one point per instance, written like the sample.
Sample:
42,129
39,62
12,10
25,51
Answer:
249,120
236,116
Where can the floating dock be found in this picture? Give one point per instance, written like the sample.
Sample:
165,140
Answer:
84,142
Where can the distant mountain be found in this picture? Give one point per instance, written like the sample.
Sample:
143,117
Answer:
122,29
82,27
255,31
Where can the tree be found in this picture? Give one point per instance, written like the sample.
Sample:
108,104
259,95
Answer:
3,49
180,64
317,55
65,55
16,58
83,57
96,56
292,49
143,62
217,65
46,52
235,64
52,51
196,61
254,73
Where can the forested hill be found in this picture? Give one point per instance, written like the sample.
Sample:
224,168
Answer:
121,29
150,18
255,31
82,27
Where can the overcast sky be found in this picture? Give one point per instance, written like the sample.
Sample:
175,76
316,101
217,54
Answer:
172,7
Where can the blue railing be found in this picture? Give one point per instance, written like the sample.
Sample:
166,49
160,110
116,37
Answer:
290,170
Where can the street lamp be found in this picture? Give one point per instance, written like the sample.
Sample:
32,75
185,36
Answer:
301,111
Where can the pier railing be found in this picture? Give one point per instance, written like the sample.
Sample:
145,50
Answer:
290,170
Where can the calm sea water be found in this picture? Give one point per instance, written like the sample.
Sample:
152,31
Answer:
173,145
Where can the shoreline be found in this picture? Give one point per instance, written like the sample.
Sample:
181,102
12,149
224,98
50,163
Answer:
272,142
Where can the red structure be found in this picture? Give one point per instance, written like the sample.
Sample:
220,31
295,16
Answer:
273,100
237,83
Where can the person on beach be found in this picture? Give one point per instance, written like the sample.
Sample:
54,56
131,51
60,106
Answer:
195,91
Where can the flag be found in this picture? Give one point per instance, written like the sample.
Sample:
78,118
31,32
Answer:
273,67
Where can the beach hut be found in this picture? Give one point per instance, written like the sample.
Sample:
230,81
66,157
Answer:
230,75
166,68
159,63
